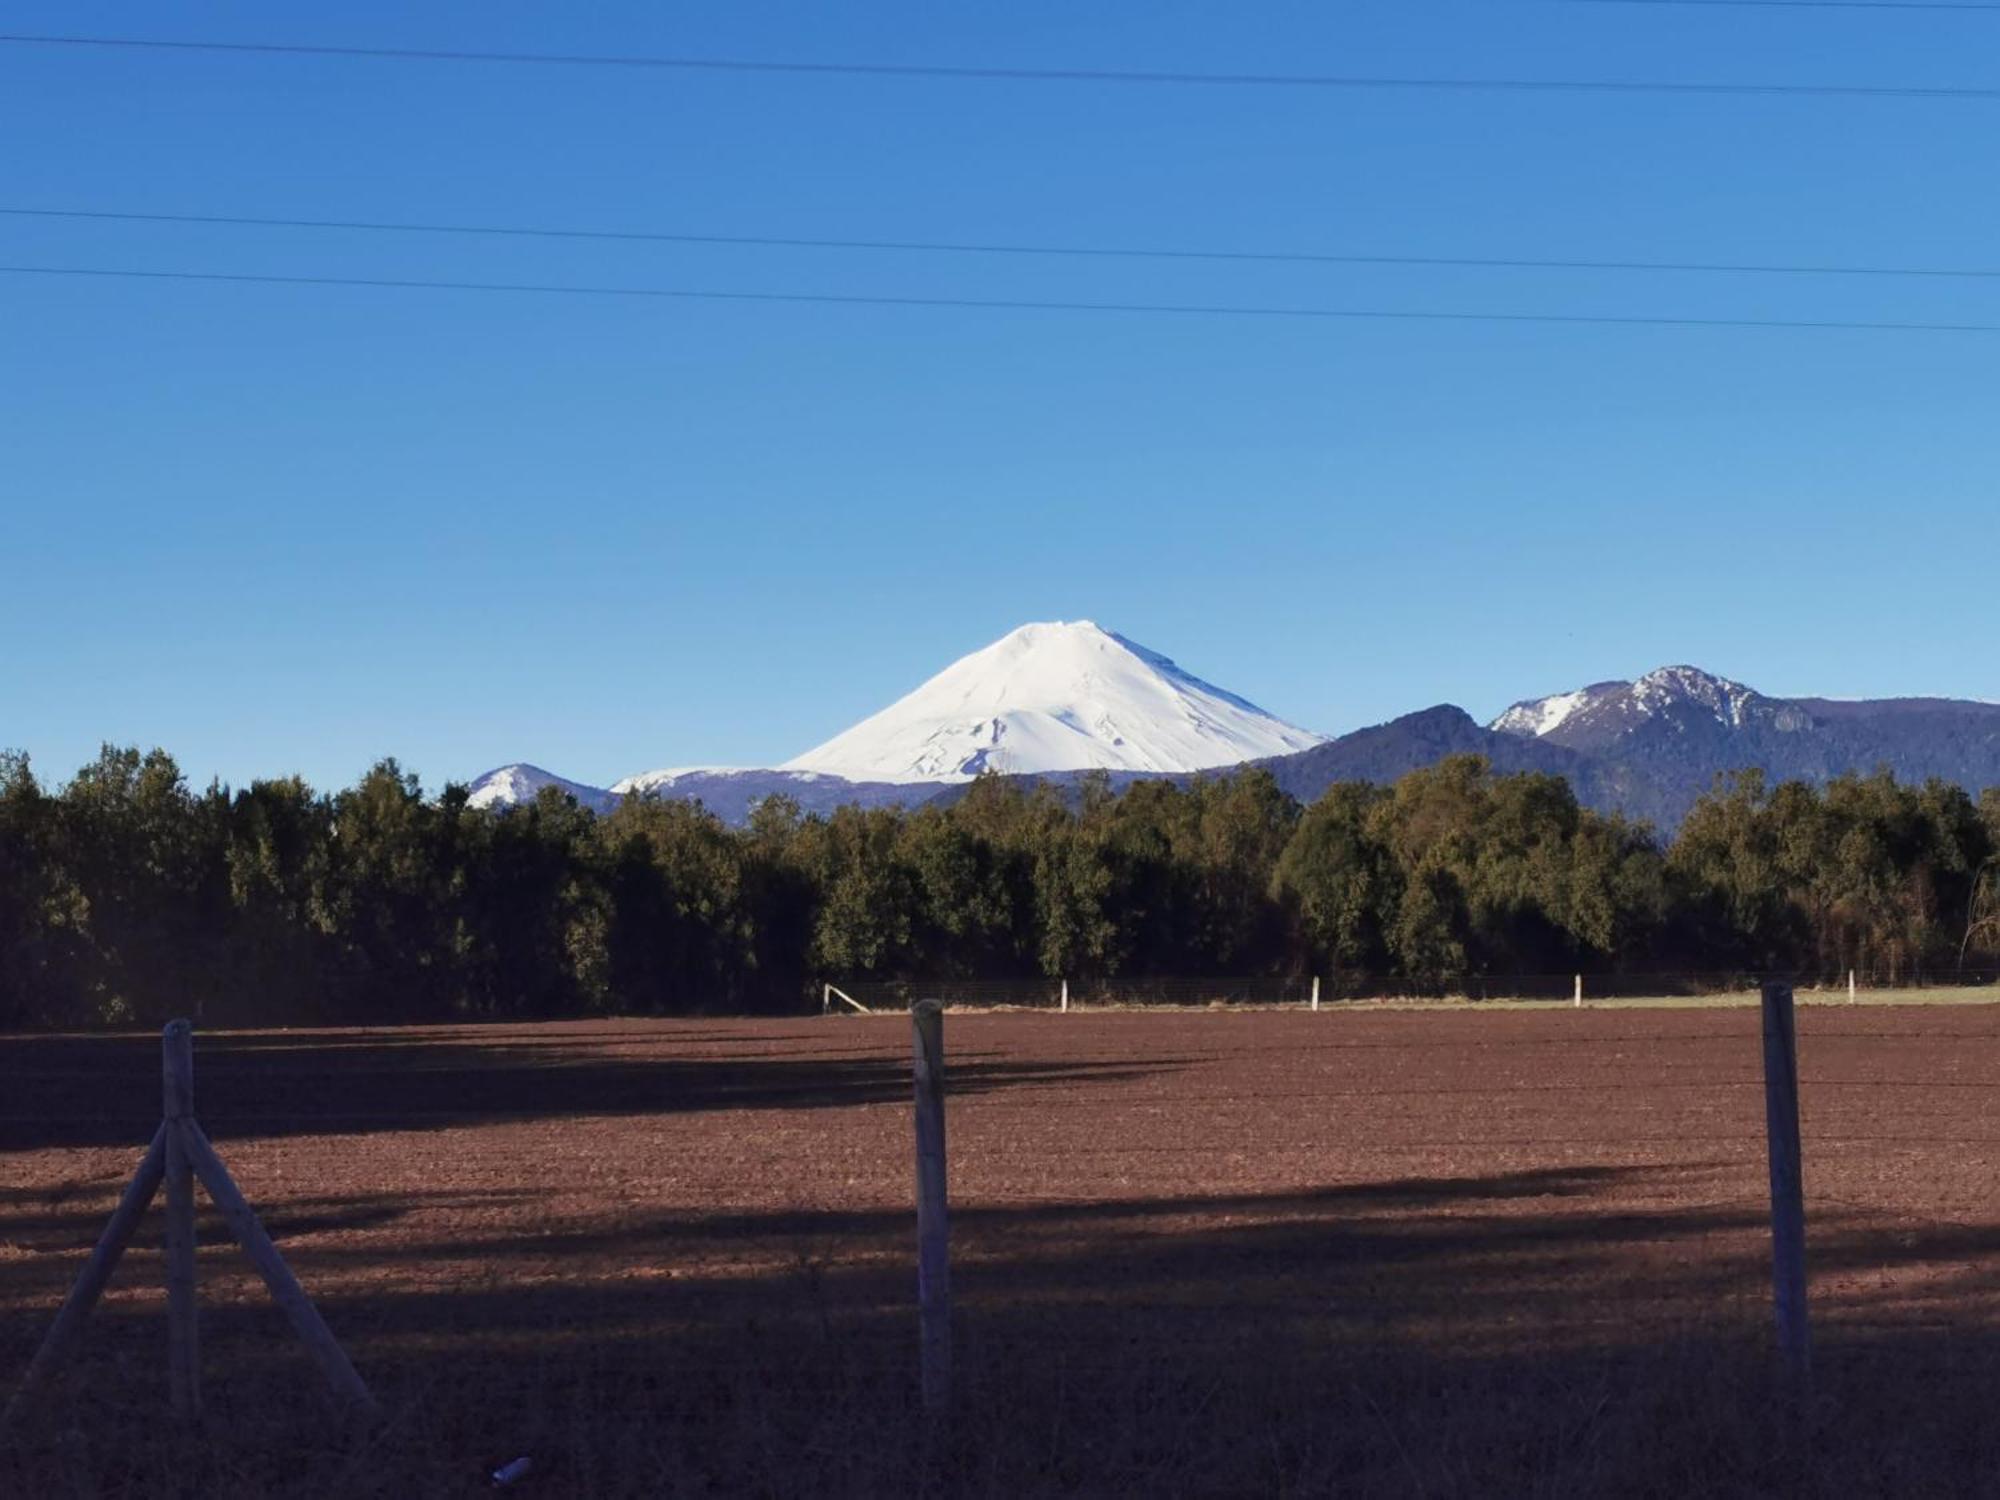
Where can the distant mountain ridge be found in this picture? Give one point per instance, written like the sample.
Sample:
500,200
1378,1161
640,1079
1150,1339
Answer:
1068,700
509,786
731,794
1654,745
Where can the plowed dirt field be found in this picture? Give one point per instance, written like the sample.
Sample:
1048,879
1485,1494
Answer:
1237,1252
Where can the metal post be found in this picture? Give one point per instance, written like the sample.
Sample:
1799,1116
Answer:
933,1240
1788,1206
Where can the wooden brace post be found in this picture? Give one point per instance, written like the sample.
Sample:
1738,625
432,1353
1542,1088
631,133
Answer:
179,1154
95,1276
284,1286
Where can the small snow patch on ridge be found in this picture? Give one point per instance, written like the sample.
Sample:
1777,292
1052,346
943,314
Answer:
1535,717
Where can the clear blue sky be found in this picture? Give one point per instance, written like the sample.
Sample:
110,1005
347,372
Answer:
282,529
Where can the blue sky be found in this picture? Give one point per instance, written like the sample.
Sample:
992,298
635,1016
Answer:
295,529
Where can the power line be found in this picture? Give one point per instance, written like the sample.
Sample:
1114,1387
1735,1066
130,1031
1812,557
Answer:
1008,304
1925,5
1287,257
1016,75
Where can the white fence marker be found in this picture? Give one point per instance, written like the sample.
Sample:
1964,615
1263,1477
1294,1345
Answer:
834,991
1315,992
1065,994
1850,986
1579,992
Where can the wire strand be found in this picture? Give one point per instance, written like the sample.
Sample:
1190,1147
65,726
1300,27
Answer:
1917,5
985,304
1016,75
794,242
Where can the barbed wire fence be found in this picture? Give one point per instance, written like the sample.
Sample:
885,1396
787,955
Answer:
1728,1221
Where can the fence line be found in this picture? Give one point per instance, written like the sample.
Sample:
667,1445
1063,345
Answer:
1312,991
180,1146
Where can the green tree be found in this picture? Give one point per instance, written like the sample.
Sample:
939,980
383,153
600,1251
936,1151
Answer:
1336,881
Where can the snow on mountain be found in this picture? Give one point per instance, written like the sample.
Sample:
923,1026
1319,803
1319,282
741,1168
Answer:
662,783
512,785
1062,696
1536,717
1677,697
1666,687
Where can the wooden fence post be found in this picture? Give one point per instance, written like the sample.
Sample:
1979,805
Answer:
183,1339
180,1153
1788,1206
933,1242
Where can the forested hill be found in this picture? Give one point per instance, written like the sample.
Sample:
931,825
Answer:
126,897
1655,767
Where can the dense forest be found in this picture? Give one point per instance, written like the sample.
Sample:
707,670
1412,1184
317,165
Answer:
128,897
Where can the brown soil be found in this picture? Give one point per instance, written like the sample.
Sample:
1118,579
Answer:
1193,1252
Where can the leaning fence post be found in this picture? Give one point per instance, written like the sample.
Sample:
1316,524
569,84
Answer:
68,1325
183,1341
278,1278
1788,1205
933,1243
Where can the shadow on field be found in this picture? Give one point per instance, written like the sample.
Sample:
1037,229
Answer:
1514,1333
103,1091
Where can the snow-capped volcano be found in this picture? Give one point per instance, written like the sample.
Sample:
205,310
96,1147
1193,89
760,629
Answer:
1063,696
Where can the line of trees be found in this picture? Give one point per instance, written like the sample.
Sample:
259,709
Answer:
127,897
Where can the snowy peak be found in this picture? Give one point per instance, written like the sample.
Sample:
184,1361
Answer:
1668,687
511,786
1059,696
1671,700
